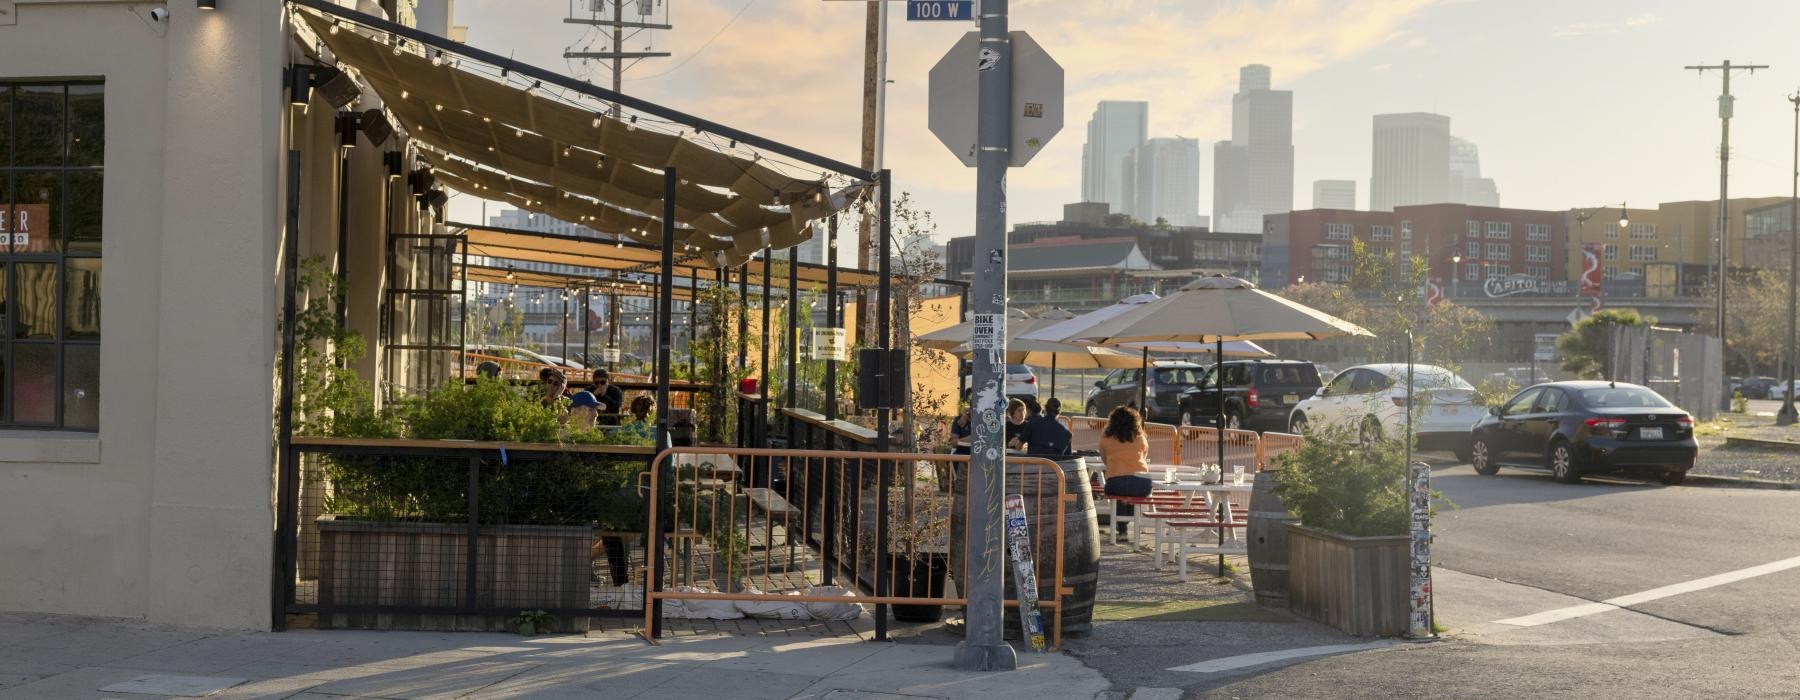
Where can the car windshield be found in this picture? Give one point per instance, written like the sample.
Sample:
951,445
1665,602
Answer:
1018,369
1178,375
1623,397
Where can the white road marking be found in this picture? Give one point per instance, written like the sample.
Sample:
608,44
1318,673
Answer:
1625,601
1246,660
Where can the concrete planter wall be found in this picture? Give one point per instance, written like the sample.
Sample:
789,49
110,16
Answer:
520,567
1356,584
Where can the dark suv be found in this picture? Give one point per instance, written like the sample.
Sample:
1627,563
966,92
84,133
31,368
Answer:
1258,393
1168,379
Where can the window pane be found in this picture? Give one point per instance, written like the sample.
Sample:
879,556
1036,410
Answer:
34,383
37,213
81,387
6,126
87,124
36,301
82,277
38,113
85,200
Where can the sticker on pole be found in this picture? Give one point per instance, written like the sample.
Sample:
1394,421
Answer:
1018,542
987,332
1420,601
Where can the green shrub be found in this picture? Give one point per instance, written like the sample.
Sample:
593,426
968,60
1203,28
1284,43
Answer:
1333,483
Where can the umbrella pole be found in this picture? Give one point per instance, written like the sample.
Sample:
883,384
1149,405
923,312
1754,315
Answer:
1053,375
1219,396
1144,387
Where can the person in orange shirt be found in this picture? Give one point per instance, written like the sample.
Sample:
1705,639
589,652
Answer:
1125,450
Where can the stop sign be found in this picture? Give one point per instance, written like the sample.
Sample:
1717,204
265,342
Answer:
1037,98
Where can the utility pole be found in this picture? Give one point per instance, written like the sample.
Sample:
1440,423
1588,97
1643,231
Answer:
985,648
615,30
1724,224
1787,416
874,125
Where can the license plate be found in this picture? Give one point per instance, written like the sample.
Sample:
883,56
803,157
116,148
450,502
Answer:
1446,410
1650,433
1290,398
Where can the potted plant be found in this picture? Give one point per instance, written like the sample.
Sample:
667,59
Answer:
919,549
1348,557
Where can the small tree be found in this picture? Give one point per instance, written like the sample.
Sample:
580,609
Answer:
1586,348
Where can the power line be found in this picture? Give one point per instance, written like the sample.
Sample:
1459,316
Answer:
709,41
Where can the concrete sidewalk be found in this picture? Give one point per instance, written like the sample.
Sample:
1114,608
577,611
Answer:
46,656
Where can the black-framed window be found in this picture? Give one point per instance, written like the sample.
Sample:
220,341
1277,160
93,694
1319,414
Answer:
52,151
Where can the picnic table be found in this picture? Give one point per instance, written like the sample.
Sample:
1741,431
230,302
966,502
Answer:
706,465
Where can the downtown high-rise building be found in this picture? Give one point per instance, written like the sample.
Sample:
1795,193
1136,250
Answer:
1114,133
1253,173
1467,186
1162,182
1411,160
1334,194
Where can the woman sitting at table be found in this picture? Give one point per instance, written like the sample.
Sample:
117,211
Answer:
1125,450
1015,422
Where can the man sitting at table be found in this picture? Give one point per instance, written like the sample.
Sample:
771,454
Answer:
1044,434
612,398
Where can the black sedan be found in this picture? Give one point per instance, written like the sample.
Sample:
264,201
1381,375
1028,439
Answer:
1576,428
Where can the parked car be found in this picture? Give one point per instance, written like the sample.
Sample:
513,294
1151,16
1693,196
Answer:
1571,429
1372,400
1021,381
522,355
1259,394
1326,373
1168,380
1760,388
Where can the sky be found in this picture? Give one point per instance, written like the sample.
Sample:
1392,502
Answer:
1573,103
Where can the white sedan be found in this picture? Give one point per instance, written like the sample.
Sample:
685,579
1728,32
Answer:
1372,400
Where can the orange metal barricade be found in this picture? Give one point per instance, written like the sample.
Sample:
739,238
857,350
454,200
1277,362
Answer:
1200,445
1274,445
769,525
1085,431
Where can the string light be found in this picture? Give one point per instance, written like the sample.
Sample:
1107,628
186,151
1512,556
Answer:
334,28
405,94
519,133
437,59
533,90
597,121
566,151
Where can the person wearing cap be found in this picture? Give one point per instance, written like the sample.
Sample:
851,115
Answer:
583,409
554,386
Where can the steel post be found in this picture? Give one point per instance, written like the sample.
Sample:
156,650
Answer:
985,648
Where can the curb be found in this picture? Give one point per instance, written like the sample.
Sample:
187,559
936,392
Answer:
1727,482
1761,444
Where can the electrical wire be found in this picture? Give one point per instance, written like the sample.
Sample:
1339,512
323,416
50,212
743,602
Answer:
709,41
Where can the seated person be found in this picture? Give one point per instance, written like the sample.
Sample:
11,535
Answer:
1045,435
1125,450
960,430
1015,421
611,397
641,408
583,408
554,386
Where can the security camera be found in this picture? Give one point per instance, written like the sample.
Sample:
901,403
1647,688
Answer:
158,14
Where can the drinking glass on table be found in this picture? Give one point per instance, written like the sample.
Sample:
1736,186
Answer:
1237,475
1168,475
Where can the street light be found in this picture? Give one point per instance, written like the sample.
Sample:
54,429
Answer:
1455,275
1786,416
1581,218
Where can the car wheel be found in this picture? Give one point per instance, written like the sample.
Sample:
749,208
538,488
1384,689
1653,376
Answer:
1186,419
1297,424
1562,462
1093,409
1674,478
1481,459
1233,421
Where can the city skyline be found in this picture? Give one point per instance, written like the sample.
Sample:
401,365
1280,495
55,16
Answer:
1344,61
1253,170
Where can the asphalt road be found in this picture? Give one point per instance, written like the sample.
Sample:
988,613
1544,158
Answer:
1520,544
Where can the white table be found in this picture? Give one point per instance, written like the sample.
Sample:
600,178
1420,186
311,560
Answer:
1187,490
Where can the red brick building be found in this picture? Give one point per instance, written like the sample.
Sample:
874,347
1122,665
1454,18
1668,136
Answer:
1464,245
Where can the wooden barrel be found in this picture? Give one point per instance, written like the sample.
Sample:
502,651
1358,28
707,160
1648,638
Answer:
1081,540
1267,532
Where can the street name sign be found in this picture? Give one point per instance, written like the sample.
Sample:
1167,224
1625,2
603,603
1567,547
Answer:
940,10
1037,97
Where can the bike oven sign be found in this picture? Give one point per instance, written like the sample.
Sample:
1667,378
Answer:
1510,285
25,228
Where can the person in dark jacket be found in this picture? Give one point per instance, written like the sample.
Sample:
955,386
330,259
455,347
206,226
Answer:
1045,435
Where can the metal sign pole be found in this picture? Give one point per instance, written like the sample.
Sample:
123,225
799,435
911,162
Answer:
985,648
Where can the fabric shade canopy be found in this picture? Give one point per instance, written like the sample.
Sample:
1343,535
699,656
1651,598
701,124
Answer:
1075,330
552,280
1211,309
625,257
513,143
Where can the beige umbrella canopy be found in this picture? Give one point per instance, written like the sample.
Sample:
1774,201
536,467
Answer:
1017,321
1216,309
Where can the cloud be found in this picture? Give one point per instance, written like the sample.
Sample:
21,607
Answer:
1637,21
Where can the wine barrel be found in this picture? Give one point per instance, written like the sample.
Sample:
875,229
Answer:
1081,540
1267,532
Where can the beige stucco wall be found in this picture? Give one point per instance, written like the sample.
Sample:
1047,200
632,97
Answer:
165,514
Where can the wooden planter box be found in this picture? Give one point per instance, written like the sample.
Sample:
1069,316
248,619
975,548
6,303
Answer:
406,564
1357,584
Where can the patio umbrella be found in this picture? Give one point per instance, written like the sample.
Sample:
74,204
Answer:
1072,330
1039,353
1216,310
949,337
